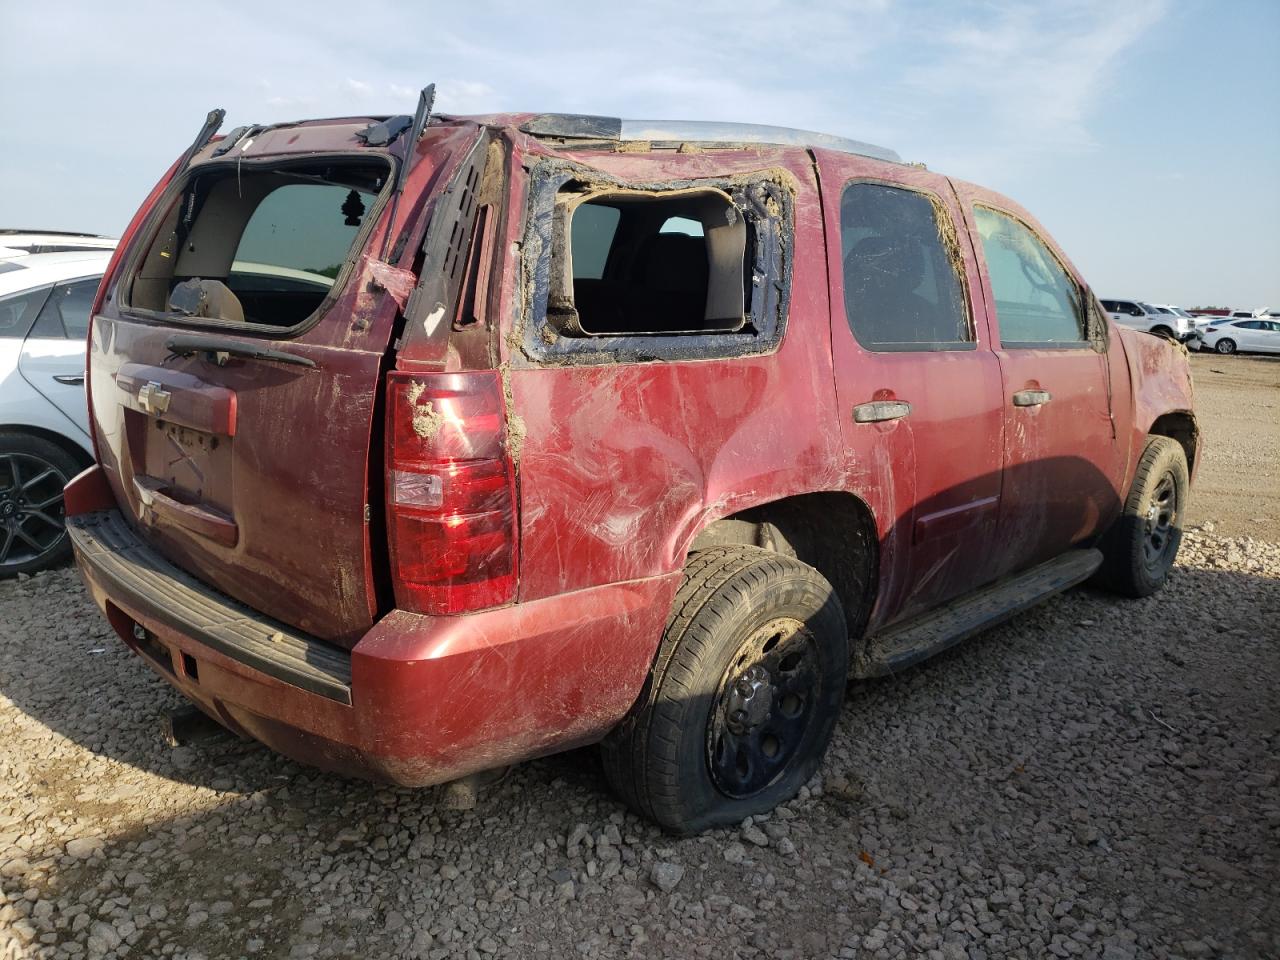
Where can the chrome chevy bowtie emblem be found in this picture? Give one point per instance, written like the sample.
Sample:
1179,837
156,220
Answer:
153,398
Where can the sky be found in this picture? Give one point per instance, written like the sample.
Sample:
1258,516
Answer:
1144,135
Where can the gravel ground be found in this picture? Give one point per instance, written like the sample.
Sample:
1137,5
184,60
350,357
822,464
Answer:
1098,778
1238,489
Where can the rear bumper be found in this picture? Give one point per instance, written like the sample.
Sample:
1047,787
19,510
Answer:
418,700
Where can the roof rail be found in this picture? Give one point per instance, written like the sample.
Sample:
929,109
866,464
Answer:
572,126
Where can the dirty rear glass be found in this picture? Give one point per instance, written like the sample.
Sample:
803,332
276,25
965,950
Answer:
258,245
1037,302
902,287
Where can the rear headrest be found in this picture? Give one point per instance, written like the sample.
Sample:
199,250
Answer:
211,299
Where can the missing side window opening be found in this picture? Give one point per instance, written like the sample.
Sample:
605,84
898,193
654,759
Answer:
641,264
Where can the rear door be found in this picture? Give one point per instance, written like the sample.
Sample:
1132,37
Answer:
917,384
1269,339
53,354
1062,461
235,371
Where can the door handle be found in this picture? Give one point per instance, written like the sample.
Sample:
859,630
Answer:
1031,398
879,410
70,379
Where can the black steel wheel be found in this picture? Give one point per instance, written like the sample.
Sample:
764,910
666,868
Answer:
33,472
1139,550
1225,346
743,696
1160,523
764,707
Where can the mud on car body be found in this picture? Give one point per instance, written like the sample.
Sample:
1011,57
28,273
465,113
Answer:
598,431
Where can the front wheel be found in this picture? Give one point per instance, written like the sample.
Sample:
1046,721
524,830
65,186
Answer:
1225,346
743,695
1139,550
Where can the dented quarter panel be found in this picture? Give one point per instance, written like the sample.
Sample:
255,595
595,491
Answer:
1160,374
623,463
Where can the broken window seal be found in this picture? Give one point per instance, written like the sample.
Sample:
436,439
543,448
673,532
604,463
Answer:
765,199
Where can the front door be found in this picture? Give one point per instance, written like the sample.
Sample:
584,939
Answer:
1062,462
917,384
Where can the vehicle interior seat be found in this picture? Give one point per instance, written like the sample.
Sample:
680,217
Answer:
668,284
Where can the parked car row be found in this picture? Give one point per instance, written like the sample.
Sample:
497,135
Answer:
1241,330
1164,321
1254,335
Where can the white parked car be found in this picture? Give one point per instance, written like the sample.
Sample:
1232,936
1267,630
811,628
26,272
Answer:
1144,316
18,242
45,300
1249,336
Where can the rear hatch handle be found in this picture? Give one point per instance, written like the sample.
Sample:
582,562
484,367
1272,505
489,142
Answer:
219,349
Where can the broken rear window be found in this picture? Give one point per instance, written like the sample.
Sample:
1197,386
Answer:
254,244
682,271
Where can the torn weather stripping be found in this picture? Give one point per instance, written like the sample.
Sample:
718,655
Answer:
654,271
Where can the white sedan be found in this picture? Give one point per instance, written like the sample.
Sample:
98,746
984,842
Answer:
44,423
1256,335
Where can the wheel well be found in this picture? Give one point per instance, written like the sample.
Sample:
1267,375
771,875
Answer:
834,533
1182,427
70,447
1161,330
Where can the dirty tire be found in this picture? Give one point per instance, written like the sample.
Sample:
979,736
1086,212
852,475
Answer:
32,536
1133,565
1225,346
660,758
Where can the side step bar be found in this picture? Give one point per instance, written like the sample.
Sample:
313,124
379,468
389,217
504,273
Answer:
906,644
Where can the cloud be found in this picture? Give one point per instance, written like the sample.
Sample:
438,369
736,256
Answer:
1030,75
357,87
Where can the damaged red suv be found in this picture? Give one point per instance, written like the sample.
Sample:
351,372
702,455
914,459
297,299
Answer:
428,445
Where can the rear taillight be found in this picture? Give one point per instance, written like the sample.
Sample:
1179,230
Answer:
451,518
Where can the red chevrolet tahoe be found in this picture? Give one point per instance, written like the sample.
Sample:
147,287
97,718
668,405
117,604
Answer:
427,445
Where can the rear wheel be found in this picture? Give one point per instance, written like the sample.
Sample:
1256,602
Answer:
743,695
1225,345
33,472
1140,548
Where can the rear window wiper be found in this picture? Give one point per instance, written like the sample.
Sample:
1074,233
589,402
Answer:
220,349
